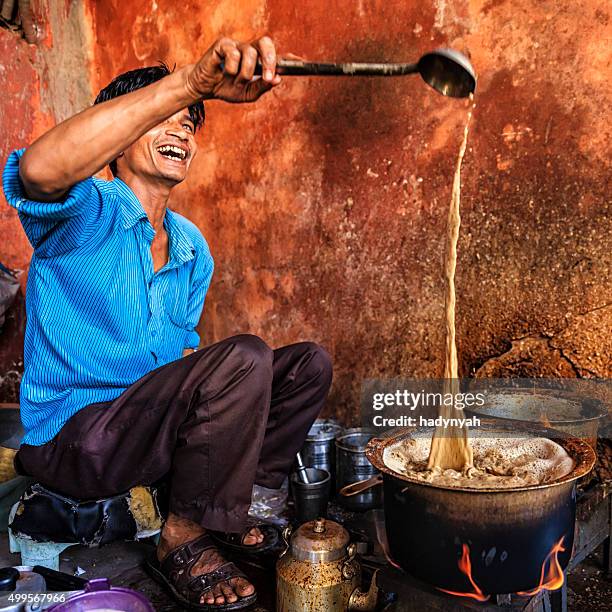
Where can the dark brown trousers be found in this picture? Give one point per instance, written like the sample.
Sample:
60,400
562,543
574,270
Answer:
210,424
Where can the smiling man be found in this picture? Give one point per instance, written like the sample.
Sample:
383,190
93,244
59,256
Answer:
113,394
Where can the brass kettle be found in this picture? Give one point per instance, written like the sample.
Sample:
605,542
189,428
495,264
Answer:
318,571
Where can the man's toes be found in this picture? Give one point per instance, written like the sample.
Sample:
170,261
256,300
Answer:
218,593
208,598
242,587
228,592
249,540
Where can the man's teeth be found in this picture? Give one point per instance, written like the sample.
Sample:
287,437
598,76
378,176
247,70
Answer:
170,151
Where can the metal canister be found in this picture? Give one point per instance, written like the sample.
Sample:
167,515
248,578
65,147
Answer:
352,465
318,571
318,450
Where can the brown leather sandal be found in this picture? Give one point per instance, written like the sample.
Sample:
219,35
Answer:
234,541
174,572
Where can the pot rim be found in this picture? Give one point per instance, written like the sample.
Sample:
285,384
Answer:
581,452
334,430
354,431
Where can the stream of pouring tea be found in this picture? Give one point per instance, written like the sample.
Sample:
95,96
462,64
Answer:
448,459
450,447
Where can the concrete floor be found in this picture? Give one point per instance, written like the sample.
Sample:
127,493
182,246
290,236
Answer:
588,587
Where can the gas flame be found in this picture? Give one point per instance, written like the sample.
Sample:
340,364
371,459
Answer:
550,580
465,565
554,577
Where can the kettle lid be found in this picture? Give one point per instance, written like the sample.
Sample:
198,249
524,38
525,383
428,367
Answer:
319,541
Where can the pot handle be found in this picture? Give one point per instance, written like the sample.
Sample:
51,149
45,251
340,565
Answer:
359,487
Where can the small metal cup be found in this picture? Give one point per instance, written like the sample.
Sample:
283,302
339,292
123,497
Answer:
311,498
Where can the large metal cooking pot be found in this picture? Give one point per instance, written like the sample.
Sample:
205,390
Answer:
559,409
509,532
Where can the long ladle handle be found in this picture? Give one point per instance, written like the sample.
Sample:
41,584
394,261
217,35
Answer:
301,68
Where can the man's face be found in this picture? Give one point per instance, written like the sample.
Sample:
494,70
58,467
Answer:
164,152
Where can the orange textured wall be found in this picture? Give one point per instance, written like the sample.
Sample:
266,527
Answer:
41,84
325,203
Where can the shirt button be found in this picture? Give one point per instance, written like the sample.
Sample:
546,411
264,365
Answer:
154,333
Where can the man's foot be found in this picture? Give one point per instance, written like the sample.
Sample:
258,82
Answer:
254,540
253,537
178,531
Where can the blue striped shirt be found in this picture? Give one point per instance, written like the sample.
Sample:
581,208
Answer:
98,317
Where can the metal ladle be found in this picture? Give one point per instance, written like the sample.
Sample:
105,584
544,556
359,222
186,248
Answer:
446,70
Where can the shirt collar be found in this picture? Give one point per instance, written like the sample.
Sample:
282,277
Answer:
131,207
181,247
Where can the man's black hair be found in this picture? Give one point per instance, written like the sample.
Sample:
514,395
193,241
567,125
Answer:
141,77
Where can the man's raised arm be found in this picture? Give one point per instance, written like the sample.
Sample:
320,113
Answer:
82,145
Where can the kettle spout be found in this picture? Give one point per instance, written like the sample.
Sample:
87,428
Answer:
364,602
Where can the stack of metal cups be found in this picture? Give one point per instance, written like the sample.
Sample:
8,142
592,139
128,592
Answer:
329,448
319,450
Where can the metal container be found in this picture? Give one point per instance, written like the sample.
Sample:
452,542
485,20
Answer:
15,582
556,408
99,595
310,498
11,428
318,571
319,450
508,532
12,486
352,465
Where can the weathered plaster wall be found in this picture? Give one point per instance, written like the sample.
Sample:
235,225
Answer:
325,203
41,84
